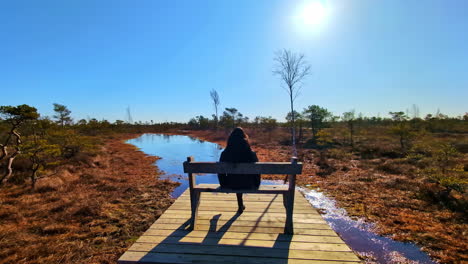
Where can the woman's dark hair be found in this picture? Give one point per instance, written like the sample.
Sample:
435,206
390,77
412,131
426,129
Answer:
238,141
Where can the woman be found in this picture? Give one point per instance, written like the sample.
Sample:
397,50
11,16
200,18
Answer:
238,150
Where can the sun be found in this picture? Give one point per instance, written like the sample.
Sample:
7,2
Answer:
312,14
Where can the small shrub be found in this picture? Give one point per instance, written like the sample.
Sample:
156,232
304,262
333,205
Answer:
398,183
436,194
393,167
377,150
82,158
369,152
461,147
21,164
397,166
339,154
325,167
392,154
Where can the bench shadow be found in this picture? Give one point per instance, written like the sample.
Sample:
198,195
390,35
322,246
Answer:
214,246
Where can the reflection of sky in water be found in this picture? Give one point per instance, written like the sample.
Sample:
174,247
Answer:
359,236
174,150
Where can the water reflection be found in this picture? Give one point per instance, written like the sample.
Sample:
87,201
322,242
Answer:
173,151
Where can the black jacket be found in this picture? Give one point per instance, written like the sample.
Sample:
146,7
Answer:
239,181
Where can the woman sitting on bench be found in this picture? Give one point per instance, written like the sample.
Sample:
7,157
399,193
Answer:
238,150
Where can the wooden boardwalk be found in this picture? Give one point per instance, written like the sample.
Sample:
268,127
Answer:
255,236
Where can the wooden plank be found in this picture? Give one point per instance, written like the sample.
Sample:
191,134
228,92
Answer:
252,197
251,214
246,201
246,198
226,196
279,230
229,250
154,240
219,223
171,258
263,205
219,209
225,204
243,168
244,236
242,217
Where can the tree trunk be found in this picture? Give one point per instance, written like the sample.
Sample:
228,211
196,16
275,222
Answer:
217,118
299,139
33,176
4,152
293,124
9,170
314,132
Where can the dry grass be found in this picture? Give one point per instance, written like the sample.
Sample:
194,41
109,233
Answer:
89,213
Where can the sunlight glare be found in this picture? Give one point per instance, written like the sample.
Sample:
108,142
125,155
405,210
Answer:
312,15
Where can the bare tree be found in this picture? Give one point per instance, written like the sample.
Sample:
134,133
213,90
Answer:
292,69
415,111
350,118
215,97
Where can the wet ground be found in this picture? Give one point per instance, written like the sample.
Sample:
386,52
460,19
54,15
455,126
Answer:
359,236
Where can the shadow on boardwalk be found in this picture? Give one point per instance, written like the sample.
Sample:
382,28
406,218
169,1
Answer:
218,245
224,236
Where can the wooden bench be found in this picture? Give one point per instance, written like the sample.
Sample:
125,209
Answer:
286,168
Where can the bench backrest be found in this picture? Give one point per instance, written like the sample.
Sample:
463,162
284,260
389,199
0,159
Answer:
289,168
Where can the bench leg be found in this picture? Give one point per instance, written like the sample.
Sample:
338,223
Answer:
285,199
288,202
240,203
194,202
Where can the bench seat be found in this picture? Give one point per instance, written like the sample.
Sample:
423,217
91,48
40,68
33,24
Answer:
270,189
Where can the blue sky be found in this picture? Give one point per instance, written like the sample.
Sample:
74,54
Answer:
161,58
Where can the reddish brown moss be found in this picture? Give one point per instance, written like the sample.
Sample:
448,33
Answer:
89,213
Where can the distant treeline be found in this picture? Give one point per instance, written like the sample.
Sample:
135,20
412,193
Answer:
315,118
31,146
